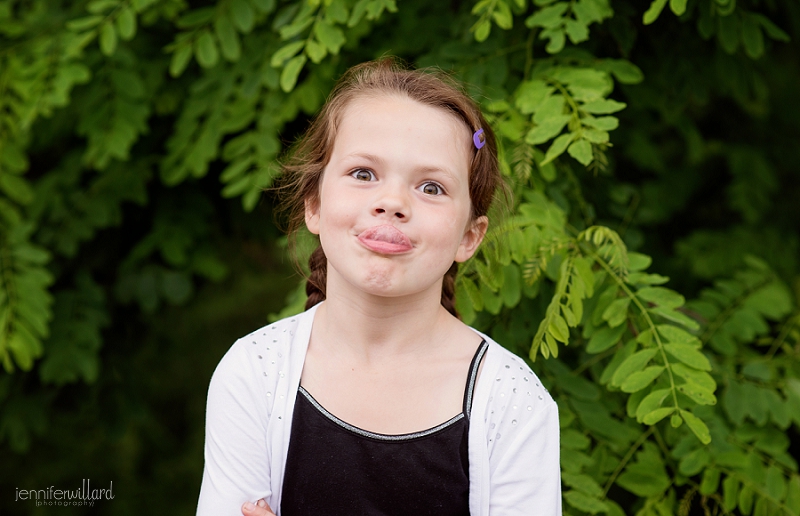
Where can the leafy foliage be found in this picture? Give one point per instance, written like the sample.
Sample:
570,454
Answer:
648,264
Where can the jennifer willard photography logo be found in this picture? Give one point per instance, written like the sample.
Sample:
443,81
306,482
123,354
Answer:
84,495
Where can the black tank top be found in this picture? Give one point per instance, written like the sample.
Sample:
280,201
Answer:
334,468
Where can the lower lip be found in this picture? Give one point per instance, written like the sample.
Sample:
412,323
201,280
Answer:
384,247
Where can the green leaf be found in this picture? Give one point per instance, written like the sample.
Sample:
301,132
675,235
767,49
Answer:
646,476
689,374
604,338
81,24
793,495
603,106
557,39
205,50
641,379
694,462
126,24
550,107
653,11
315,51
675,316
617,311
502,16
661,296
581,150
296,27
603,123
291,72
330,36
180,60
285,53
108,38
728,33
531,94
549,17
16,187
697,426
752,38
228,38
651,402
677,335
632,364
100,6
584,502
596,136
358,13
678,6
196,18
243,15
582,483
689,355
547,129
698,393
559,329
336,11
730,493
772,30
265,6
746,499
576,31
624,71
511,292
775,483
482,30
651,418
557,148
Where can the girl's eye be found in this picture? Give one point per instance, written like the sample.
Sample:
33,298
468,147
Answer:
362,174
432,189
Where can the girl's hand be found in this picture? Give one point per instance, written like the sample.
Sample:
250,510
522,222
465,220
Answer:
260,508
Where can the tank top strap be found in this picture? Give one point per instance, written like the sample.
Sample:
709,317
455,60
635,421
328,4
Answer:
473,375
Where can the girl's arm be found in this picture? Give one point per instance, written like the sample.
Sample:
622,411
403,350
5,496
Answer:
525,471
236,455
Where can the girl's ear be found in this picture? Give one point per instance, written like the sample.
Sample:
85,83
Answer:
472,238
312,216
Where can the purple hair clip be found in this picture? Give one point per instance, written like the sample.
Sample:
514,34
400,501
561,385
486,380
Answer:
479,139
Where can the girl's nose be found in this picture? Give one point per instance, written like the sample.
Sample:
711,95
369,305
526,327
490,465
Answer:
398,214
393,202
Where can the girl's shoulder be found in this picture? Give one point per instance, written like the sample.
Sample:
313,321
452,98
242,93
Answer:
508,393
258,360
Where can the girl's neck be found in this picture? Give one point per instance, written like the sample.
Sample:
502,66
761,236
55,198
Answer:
372,328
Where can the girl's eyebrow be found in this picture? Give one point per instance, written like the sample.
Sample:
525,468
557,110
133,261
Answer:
366,156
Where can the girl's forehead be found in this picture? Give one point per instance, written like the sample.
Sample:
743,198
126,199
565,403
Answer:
397,124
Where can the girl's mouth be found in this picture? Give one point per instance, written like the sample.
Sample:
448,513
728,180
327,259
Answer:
385,239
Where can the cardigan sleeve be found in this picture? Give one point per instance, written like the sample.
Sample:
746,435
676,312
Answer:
524,470
519,422
236,452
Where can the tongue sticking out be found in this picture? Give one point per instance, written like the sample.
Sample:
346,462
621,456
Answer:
385,239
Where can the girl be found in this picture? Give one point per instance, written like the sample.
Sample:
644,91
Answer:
378,399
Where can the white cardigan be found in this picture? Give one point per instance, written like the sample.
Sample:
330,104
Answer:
513,428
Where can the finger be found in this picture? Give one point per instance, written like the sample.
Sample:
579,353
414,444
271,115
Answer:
262,509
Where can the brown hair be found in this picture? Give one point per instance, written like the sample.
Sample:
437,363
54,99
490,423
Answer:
303,169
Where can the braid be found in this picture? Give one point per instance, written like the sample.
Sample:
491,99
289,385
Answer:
449,290
317,280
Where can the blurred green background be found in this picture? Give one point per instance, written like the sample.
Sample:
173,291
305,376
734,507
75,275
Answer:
137,242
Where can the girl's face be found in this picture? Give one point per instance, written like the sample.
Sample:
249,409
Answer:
394,207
